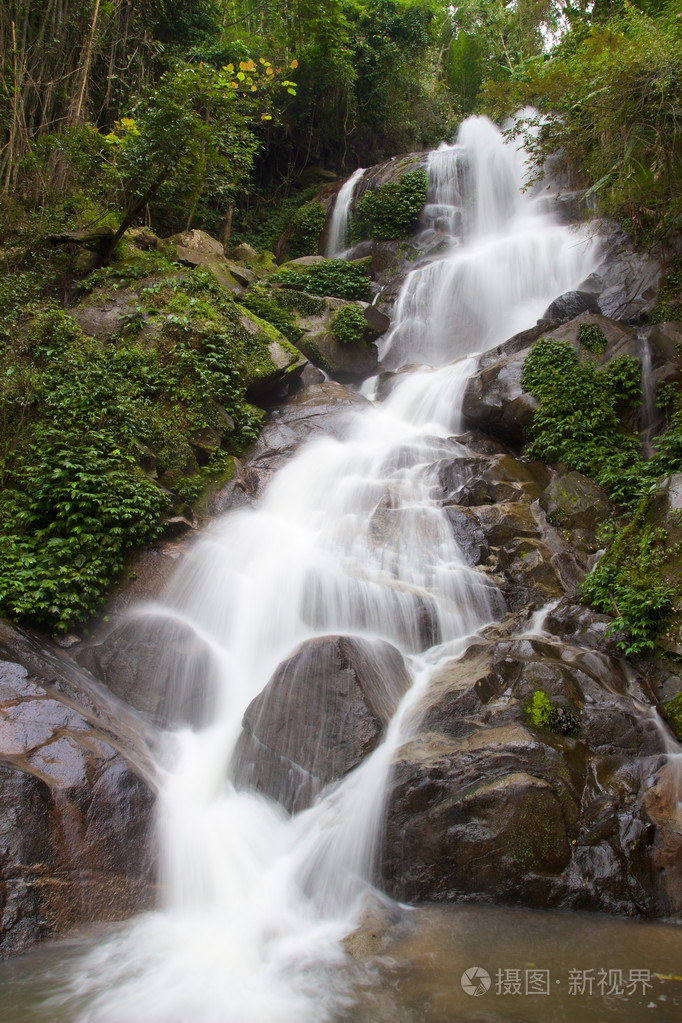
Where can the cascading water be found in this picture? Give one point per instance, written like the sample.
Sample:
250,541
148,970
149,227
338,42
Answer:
505,258
255,900
340,221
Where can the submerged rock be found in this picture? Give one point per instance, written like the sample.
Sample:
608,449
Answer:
76,797
322,712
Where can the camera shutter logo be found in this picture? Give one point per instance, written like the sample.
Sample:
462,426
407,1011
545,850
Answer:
475,981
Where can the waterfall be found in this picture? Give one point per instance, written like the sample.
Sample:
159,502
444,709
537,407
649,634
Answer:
505,255
649,414
340,222
255,900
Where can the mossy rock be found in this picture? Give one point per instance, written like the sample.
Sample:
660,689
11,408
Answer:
672,712
574,501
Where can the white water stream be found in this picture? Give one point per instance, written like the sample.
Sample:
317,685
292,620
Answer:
256,901
341,216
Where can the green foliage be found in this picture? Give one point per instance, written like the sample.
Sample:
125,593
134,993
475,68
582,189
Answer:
543,713
393,210
580,421
334,277
672,712
349,325
592,338
267,216
611,100
77,503
308,225
87,429
266,306
628,583
669,302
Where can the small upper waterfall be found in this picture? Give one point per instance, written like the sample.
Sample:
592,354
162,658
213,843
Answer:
347,540
340,222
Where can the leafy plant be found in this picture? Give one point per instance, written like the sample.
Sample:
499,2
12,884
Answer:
672,712
391,211
580,420
592,338
349,325
669,302
628,582
334,277
308,225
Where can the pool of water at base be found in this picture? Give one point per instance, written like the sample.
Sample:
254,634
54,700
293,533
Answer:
466,963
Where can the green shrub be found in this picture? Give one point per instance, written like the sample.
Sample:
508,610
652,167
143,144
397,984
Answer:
669,302
84,426
581,421
308,225
610,98
349,325
268,308
392,211
592,338
334,277
628,583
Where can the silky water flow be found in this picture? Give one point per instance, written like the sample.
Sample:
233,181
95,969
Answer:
256,901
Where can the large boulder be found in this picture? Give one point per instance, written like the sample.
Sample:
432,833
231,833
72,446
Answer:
491,801
322,712
76,797
494,400
157,665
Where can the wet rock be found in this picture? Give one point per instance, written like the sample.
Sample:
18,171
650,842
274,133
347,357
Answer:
487,805
320,410
469,535
571,304
76,797
344,362
630,280
159,666
319,716
490,480
574,501
494,400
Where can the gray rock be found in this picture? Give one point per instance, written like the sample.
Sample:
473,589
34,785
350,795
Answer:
571,304
574,501
319,716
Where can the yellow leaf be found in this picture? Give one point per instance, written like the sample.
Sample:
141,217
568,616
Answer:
269,71
294,63
254,88
243,65
230,68
266,117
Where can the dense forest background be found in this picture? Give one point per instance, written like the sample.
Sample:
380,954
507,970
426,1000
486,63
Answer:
187,112
229,115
